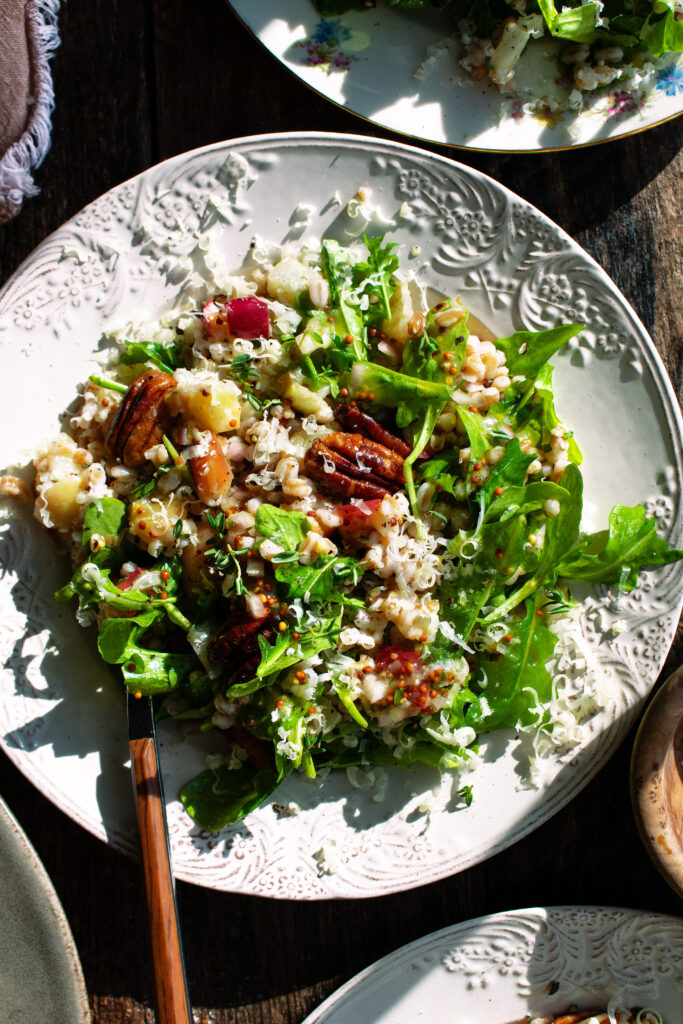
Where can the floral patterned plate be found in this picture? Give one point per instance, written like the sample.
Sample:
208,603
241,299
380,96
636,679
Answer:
501,968
131,256
367,62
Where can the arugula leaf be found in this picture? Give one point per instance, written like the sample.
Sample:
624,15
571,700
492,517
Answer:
145,671
461,598
512,686
347,700
392,388
166,357
344,296
91,584
324,580
666,34
549,419
523,500
615,555
219,797
444,470
109,385
471,421
511,470
286,651
275,715
286,528
578,24
527,351
375,274
105,517
561,532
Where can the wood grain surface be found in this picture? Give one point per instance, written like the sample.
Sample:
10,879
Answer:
136,82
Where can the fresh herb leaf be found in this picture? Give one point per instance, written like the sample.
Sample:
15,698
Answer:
217,523
110,385
166,357
465,794
243,368
226,560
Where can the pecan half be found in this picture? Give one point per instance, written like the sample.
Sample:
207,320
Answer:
142,418
354,419
353,466
238,643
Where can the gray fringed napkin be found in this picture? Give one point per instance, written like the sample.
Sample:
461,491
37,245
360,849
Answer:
28,35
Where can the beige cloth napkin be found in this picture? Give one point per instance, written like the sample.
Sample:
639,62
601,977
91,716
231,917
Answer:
28,35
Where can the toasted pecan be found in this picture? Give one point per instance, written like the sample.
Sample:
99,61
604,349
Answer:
357,420
238,642
353,466
142,418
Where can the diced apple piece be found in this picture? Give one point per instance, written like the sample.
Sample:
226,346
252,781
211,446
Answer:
303,399
287,279
215,406
61,500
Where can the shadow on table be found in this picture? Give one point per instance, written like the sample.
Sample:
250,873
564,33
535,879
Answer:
581,188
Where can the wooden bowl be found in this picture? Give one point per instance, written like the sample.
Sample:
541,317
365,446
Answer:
657,780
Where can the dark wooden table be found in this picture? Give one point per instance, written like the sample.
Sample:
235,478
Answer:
137,82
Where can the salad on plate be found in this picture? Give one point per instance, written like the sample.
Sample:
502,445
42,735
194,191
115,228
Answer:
594,45
325,513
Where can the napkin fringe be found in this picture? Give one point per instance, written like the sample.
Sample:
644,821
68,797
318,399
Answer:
28,152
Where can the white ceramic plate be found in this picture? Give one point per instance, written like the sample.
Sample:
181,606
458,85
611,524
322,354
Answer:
498,969
35,940
366,61
127,257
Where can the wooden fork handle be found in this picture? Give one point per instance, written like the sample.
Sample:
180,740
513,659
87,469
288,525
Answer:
172,1000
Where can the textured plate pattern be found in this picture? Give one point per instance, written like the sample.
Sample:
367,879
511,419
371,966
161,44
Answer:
499,968
140,249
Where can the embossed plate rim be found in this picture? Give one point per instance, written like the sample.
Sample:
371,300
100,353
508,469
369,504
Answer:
273,856
507,992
